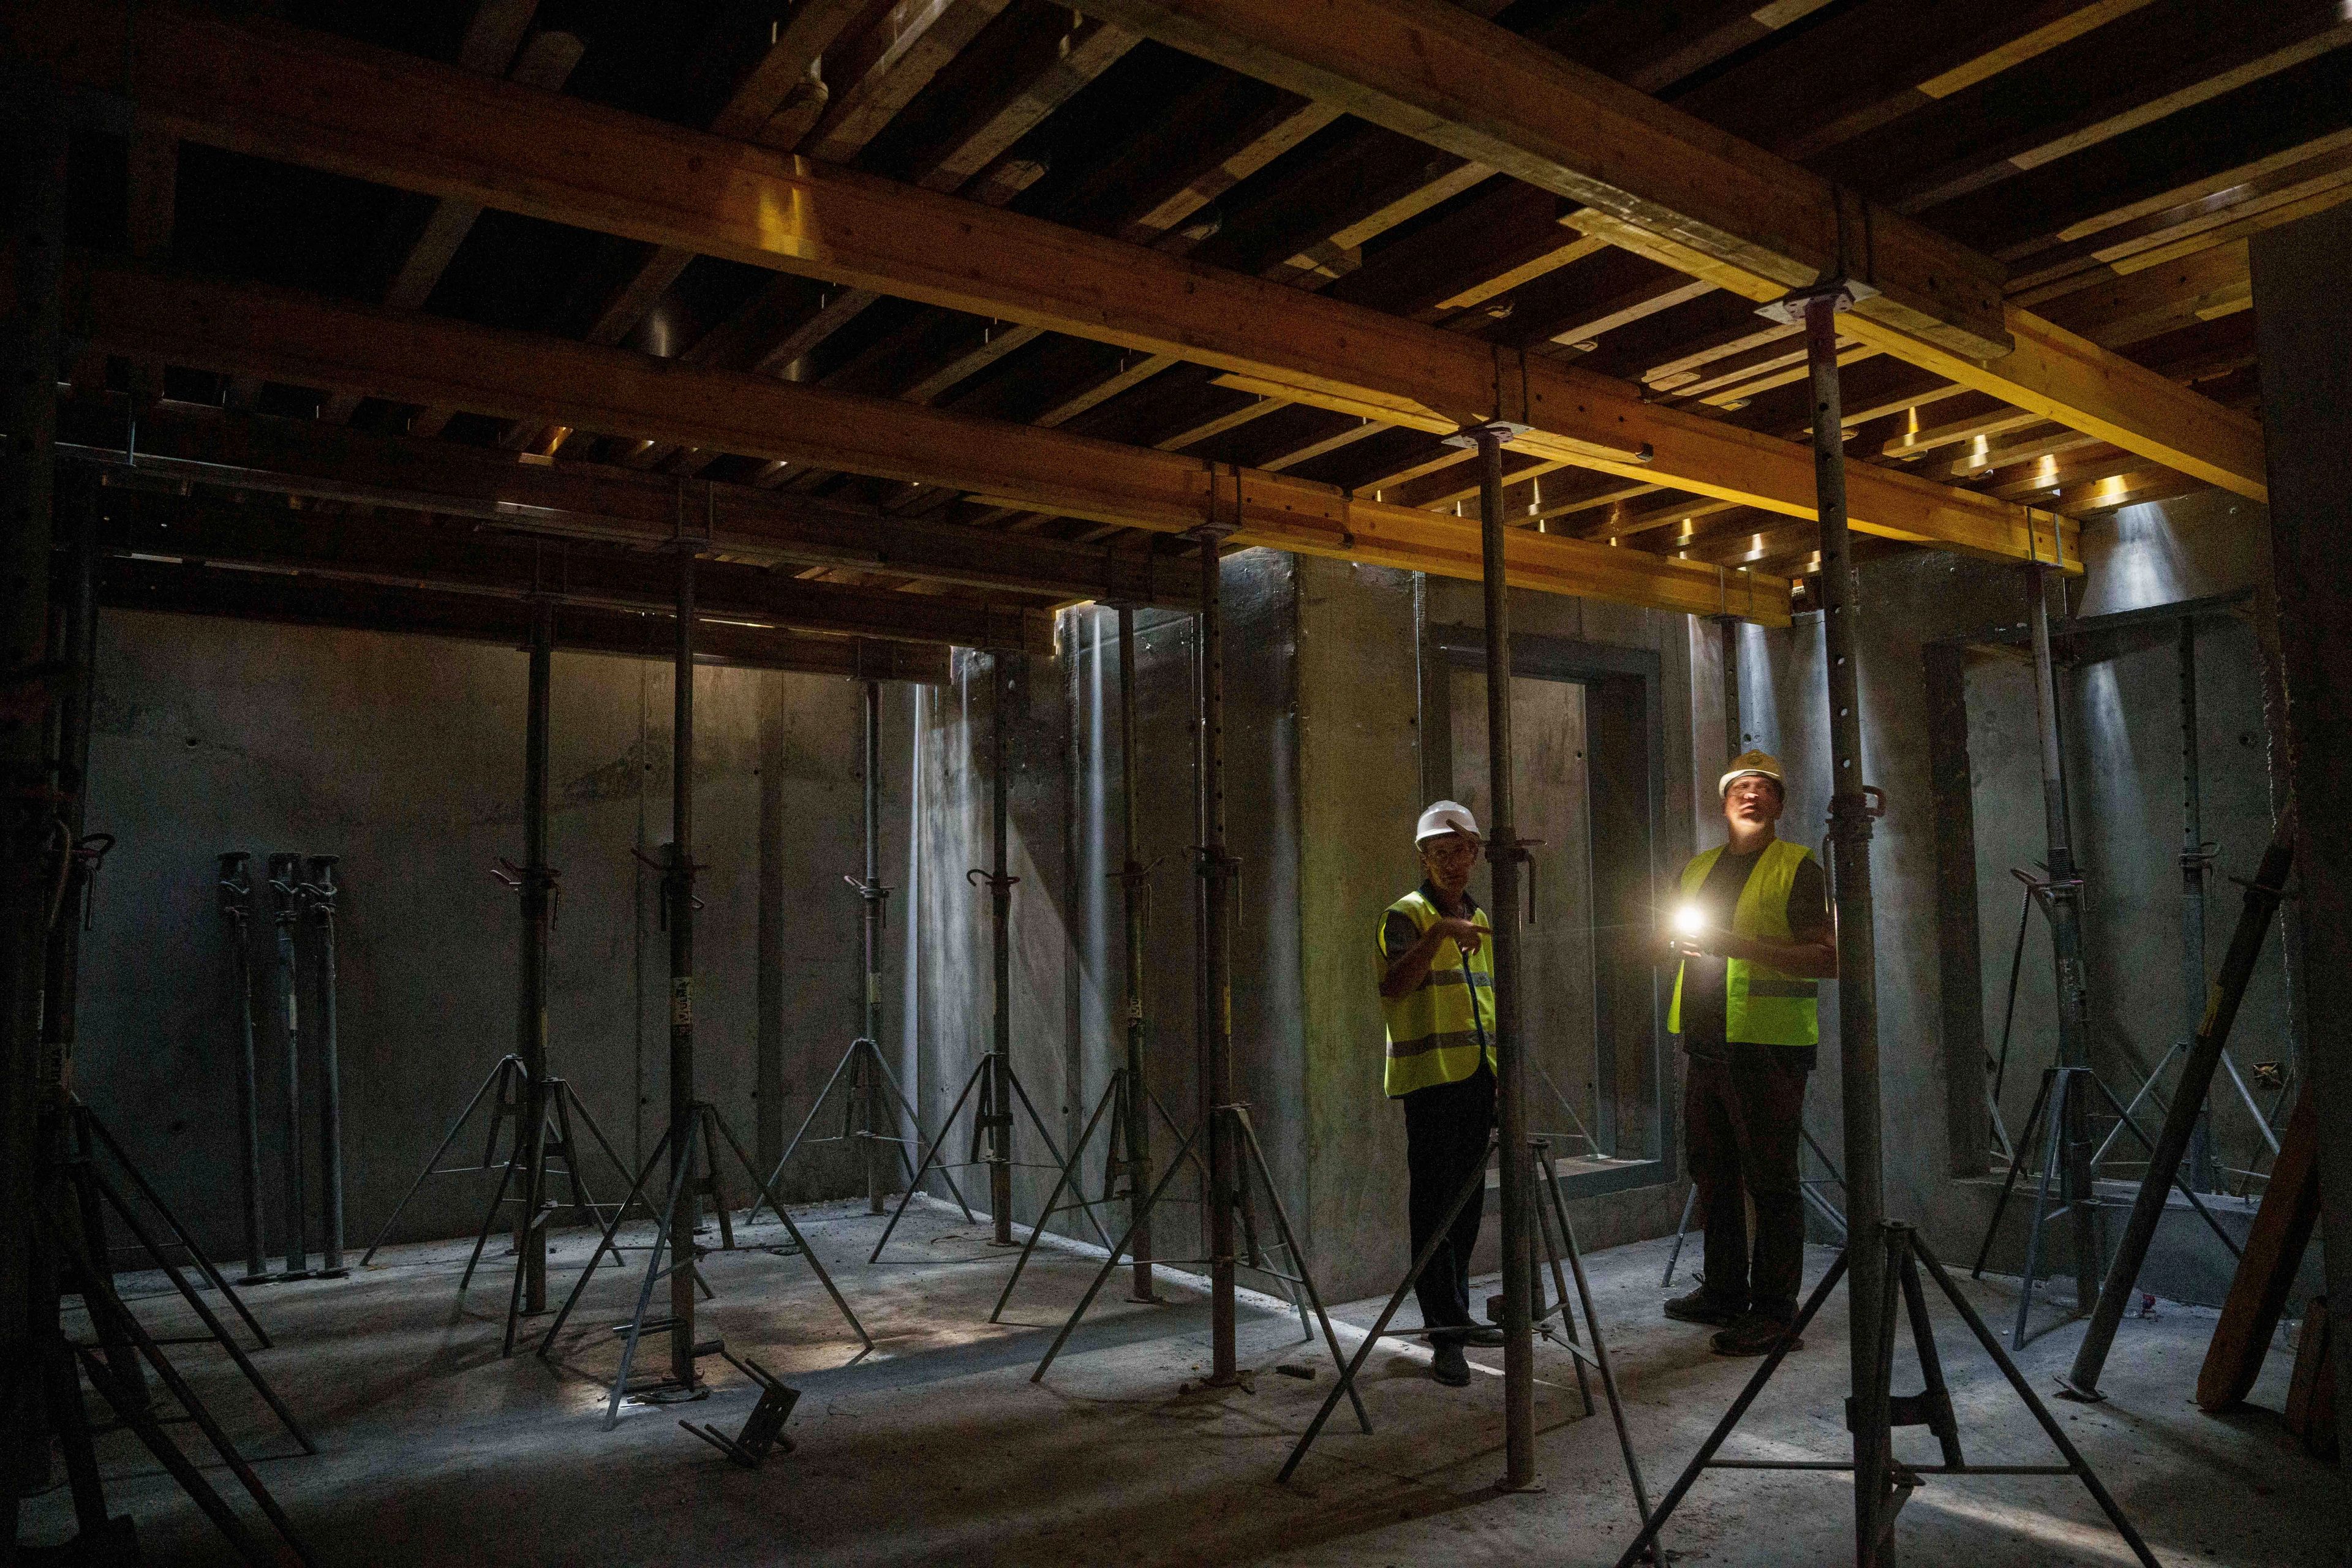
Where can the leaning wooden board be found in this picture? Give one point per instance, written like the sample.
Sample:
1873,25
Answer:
2274,1248
2311,1395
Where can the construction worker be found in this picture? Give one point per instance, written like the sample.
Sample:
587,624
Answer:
1437,993
1751,931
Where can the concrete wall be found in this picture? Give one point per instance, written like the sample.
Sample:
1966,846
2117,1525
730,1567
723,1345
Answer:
404,756
1068,931
2124,771
1365,770
1324,778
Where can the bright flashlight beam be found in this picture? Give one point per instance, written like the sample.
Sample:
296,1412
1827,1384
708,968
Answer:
1688,921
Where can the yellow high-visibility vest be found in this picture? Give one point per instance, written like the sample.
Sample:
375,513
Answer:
1760,1005
1437,1030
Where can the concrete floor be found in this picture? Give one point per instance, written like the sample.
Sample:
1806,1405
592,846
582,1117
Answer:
937,1448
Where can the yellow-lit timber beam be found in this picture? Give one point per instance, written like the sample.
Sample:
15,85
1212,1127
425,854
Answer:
1668,185
277,93
243,330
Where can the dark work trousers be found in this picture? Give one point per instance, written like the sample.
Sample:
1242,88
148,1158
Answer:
1446,1127
1742,1120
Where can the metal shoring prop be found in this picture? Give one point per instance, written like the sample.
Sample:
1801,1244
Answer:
236,903
519,1087
86,1121
865,1114
1134,895
678,898
694,1124
536,880
1506,854
2068,1143
1879,1256
1557,1236
2061,1108
85,1136
2196,872
2196,860
53,1210
1215,1033
1996,1074
319,891
505,1088
1221,1117
2195,869
995,1090
2182,1121
992,1078
873,899
1850,833
283,870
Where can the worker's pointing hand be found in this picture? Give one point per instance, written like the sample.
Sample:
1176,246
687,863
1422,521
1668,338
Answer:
1466,934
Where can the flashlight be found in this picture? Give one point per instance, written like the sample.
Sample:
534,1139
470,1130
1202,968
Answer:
1689,921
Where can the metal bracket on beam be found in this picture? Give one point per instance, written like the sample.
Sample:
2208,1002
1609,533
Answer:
1505,431
1790,308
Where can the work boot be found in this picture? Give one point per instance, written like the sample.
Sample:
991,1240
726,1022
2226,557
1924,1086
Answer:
1483,1334
1753,1335
1700,1307
1452,1367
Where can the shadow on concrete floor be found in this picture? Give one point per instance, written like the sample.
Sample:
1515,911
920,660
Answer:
937,1448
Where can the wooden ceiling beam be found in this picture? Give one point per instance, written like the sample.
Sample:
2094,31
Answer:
2047,265
419,126
2107,92
1920,443
1651,48
2020,449
547,61
276,538
1876,62
1516,106
307,342
882,71
566,500
970,160
1709,205
179,588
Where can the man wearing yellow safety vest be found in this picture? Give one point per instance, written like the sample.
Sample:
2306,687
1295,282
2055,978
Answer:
1437,992
1751,931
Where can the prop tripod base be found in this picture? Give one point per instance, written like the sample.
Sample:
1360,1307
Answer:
1883,1484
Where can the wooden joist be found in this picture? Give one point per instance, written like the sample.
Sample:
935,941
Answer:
196,446
306,341
1669,186
279,539
413,123
179,588
1430,71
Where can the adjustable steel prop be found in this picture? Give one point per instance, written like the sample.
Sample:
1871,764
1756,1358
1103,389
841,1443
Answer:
1881,1258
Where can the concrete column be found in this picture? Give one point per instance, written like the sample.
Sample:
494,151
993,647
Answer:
2305,311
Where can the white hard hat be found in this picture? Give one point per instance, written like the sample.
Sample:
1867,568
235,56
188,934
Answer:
1752,764
1442,818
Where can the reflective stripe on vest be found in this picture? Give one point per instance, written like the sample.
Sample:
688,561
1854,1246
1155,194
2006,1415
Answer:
1434,1030
1760,1005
